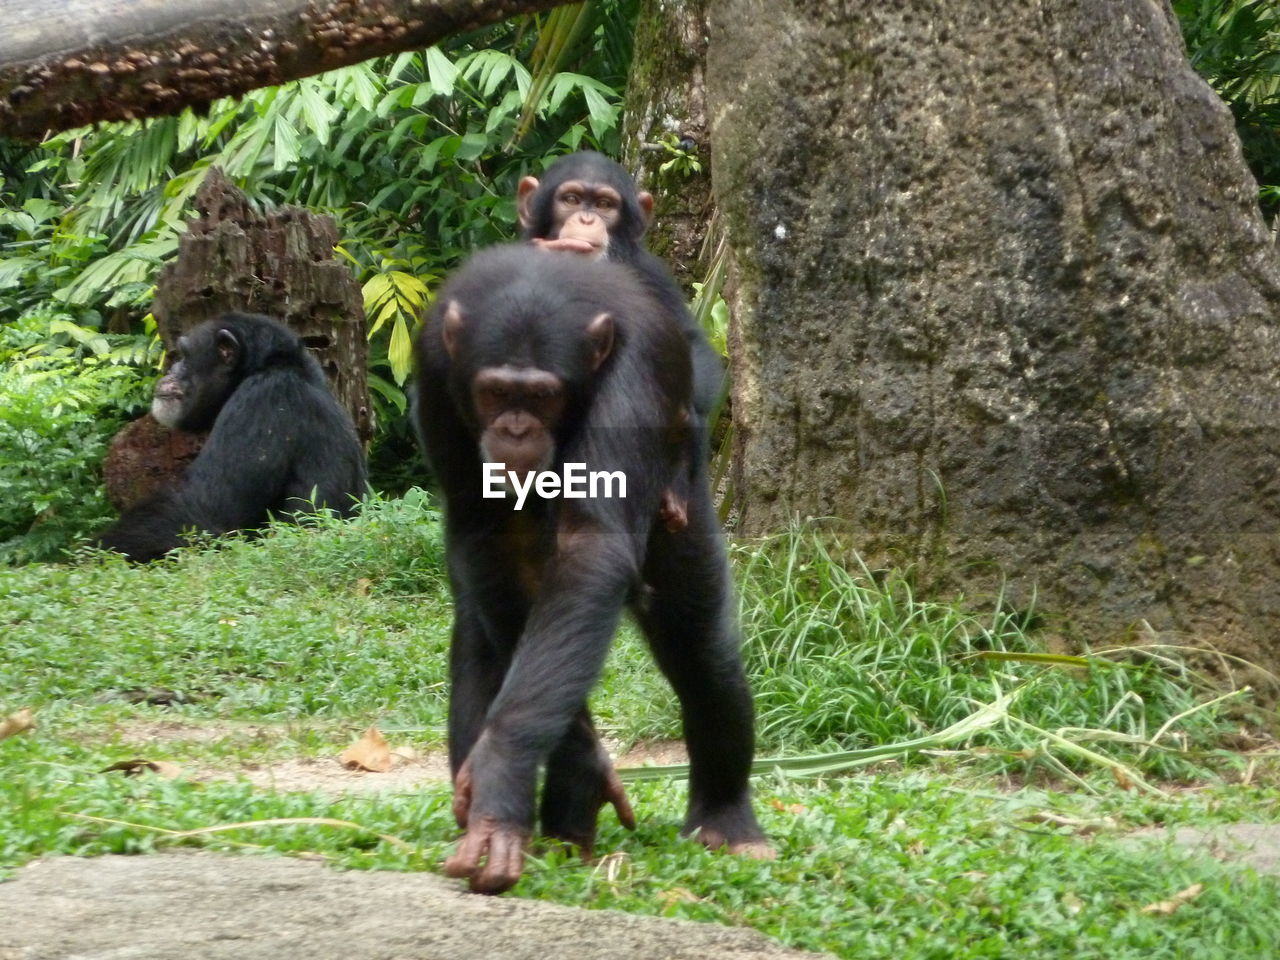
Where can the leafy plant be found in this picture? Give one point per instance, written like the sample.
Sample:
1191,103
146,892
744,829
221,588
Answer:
1235,46
64,391
415,156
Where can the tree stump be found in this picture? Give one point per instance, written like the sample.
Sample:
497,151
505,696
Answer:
233,257
145,457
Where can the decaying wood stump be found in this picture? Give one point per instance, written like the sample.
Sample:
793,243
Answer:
144,457
234,257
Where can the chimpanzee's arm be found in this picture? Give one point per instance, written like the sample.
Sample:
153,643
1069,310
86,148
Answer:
558,659
244,467
599,551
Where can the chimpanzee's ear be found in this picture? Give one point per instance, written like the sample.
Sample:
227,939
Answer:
452,327
524,201
645,199
600,333
228,346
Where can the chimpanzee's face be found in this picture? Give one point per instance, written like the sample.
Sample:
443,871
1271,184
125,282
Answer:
587,204
517,407
199,381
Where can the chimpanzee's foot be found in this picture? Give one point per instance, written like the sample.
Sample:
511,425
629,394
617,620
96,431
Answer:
571,804
732,828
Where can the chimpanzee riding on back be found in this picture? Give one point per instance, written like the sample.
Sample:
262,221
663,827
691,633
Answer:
278,439
587,204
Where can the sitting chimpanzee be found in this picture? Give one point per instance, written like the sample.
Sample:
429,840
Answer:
278,440
588,204
538,362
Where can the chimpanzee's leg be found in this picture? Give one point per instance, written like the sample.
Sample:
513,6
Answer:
580,780
690,624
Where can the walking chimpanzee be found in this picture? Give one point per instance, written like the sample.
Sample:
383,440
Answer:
278,439
541,361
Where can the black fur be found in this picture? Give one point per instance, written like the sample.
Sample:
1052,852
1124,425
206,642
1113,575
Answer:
538,593
277,439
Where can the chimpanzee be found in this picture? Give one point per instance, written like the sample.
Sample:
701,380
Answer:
588,204
278,439
541,360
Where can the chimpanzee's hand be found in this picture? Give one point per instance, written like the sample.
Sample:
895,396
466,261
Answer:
569,244
499,845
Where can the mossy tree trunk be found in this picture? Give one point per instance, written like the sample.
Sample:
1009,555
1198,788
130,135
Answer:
1006,304
666,98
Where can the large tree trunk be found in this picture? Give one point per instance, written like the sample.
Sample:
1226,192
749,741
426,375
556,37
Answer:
64,63
1006,304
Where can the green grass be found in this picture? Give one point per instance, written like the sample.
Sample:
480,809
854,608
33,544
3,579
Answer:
289,646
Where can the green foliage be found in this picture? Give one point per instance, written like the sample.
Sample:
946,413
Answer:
712,313
415,156
842,657
1235,45
399,298
682,163
64,391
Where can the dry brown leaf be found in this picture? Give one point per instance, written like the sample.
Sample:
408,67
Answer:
1122,778
402,755
137,766
16,723
371,753
795,809
1167,907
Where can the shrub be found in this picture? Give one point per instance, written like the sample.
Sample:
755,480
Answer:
60,404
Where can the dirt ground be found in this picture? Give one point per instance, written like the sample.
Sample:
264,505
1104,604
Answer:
327,774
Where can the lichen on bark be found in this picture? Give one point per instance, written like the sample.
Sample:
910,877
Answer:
1005,303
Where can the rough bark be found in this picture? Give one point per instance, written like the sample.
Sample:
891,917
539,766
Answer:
1006,303
281,263
234,258
666,94
64,63
145,457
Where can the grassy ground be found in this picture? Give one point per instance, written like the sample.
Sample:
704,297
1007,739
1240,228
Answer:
942,789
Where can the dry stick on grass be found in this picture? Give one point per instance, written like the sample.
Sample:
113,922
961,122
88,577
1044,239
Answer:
246,824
